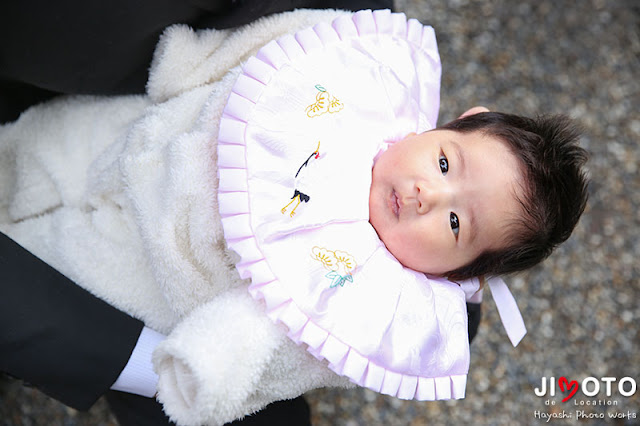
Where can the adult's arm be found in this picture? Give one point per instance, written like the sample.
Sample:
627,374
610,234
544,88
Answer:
105,48
57,336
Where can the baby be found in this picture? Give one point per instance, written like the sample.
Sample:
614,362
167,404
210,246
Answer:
487,194
121,195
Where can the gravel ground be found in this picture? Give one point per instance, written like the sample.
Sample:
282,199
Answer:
575,57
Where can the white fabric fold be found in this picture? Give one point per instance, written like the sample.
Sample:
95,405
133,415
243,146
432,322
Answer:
510,315
508,309
212,375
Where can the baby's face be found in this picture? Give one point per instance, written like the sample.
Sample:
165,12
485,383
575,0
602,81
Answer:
441,198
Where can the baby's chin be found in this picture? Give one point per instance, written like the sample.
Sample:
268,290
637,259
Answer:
411,261
418,266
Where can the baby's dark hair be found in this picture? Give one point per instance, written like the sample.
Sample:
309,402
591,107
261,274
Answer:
554,188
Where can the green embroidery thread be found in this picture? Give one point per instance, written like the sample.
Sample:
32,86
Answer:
324,103
339,263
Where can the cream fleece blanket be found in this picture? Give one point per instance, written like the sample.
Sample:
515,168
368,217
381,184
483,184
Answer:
119,194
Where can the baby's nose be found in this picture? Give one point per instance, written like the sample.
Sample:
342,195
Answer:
428,197
423,198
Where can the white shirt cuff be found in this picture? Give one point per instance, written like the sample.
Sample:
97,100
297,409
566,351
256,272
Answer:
138,376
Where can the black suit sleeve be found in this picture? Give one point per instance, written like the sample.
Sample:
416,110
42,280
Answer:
474,315
57,336
101,47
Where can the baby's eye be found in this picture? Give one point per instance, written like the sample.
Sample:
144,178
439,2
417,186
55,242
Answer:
444,164
455,224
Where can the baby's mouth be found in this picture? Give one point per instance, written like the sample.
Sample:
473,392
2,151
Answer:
395,203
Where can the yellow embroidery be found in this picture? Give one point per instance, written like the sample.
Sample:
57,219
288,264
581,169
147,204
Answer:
326,257
324,103
339,263
346,259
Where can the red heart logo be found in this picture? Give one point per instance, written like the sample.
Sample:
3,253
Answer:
571,386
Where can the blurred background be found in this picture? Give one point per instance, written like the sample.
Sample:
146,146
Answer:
581,308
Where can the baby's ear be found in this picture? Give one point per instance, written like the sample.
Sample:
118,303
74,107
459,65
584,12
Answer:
474,110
